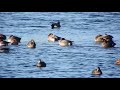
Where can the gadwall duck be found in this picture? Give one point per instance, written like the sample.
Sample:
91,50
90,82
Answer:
117,62
53,38
31,44
97,71
64,42
41,63
56,25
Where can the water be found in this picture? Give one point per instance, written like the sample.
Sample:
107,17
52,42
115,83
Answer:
75,61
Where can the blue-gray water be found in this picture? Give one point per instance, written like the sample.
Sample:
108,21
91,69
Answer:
75,61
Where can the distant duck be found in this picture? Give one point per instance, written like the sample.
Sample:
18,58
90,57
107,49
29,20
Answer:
56,25
117,62
4,50
41,63
2,37
31,44
97,71
13,38
53,38
63,42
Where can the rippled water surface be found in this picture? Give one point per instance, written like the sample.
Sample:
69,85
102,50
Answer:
75,61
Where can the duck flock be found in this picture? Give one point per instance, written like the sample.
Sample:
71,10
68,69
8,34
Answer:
106,41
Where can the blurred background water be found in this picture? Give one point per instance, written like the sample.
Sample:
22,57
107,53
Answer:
75,61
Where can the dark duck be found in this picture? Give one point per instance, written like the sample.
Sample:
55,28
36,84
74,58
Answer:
55,25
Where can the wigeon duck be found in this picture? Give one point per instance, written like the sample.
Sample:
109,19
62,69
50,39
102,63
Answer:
97,71
31,44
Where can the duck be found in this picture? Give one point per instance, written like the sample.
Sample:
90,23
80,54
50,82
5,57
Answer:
14,42
56,25
31,44
117,62
41,63
100,38
12,38
53,38
97,71
63,42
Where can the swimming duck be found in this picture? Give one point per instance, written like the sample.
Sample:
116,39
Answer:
14,42
53,38
64,42
14,38
97,71
31,44
56,25
41,63
100,38
117,62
